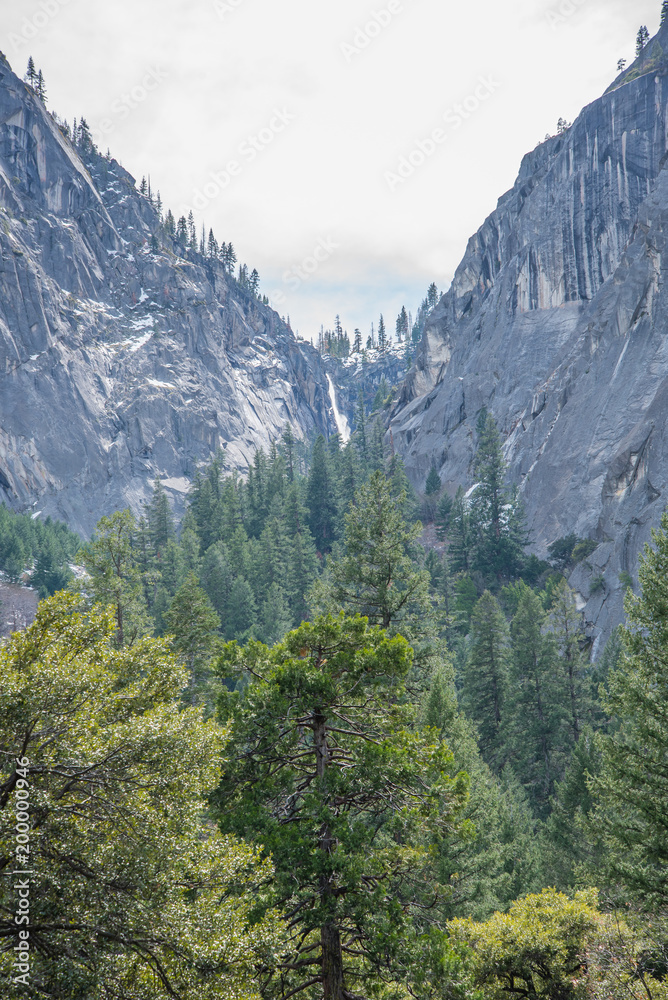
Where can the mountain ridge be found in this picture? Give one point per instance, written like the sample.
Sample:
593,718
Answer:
563,281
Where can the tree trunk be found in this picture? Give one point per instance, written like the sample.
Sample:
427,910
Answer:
330,938
332,963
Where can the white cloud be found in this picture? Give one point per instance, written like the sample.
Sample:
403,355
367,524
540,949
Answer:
226,71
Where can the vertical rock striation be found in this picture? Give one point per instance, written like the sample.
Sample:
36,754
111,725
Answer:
556,321
118,362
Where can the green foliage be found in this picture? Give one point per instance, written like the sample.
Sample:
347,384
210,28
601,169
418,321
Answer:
131,895
377,575
433,485
632,788
326,771
536,950
114,578
485,681
41,548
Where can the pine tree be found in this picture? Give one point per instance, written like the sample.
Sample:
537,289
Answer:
485,680
182,231
496,513
357,341
382,335
642,39
537,713
664,12
192,232
432,295
433,485
632,791
31,74
360,429
377,576
160,519
319,498
110,560
212,246
254,283
460,538
325,769
170,225
194,624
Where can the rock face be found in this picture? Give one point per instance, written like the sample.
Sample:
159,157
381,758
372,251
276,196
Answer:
556,321
118,362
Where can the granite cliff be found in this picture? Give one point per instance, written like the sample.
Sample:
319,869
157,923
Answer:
556,321
121,358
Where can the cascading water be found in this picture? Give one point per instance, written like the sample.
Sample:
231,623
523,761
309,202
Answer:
340,419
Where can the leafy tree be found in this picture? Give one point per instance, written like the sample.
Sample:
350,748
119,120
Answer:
536,950
632,790
323,770
131,895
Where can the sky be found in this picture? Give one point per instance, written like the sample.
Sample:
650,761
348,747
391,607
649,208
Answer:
348,149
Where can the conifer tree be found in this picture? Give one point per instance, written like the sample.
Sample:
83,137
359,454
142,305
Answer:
642,39
485,680
382,335
664,12
170,224
536,716
212,246
31,74
432,295
357,341
377,576
254,283
194,624
632,790
433,485
324,768
319,498
160,519
110,559
459,534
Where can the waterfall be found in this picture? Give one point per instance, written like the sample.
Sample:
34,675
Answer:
340,419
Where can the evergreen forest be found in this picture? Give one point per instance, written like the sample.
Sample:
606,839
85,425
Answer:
330,737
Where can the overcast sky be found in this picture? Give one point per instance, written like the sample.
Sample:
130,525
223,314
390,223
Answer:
347,149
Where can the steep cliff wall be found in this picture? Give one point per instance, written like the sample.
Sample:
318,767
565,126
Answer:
118,362
556,322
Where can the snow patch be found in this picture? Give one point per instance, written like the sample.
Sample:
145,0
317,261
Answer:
160,385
